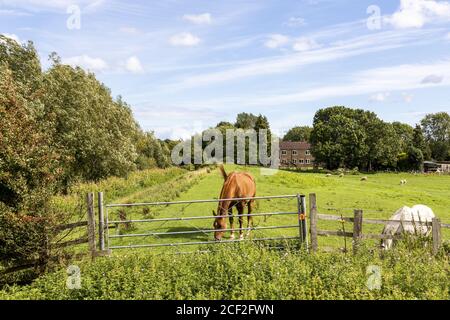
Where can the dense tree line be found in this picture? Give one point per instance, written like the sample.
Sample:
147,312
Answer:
58,127
244,121
300,133
350,138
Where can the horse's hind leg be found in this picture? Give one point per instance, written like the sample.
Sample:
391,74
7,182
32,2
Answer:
249,219
230,214
240,208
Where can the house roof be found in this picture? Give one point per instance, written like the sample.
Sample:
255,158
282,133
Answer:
295,145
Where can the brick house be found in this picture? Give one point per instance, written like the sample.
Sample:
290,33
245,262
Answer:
296,154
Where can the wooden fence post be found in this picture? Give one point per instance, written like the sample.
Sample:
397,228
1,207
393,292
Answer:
313,221
91,222
101,222
357,229
436,234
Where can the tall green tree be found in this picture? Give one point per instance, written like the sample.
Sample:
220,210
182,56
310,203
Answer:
300,133
94,132
337,139
344,137
29,170
405,134
436,129
23,62
245,120
418,141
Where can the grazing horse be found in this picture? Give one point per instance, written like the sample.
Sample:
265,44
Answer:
236,185
413,221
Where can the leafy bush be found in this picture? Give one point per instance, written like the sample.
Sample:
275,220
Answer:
248,271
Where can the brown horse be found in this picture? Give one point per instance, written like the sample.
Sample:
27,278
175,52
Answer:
236,185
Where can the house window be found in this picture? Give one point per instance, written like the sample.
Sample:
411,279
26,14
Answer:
294,152
301,161
308,161
294,161
308,152
283,152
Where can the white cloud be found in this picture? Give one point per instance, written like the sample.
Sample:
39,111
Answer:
276,41
379,97
399,78
416,13
13,37
371,43
129,30
432,78
185,39
37,5
407,97
87,62
305,44
204,18
447,37
15,13
134,65
296,22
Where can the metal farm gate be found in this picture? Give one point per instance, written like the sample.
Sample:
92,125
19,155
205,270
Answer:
106,224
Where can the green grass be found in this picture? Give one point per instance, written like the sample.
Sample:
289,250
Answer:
246,271
379,197
151,185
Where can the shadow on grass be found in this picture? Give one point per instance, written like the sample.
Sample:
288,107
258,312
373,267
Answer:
191,236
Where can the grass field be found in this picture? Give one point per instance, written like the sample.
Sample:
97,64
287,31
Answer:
379,197
254,271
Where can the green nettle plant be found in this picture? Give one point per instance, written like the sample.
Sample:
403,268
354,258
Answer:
250,271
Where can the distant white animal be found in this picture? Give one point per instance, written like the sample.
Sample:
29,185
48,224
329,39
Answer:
412,222
403,182
364,179
328,175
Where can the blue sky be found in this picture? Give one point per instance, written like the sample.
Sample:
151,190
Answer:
185,65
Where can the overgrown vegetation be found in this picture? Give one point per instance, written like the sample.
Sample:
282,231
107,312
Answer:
58,127
247,271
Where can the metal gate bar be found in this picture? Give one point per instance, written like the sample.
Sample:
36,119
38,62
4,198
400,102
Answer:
199,231
202,217
199,242
300,210
193,201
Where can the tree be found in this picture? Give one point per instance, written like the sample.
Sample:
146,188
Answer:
415,159
337,139
29,169
245,120
301,133
23,62
152,152
224,124
262,123
405,135
418,141
436,129
344,137
95,133
28,164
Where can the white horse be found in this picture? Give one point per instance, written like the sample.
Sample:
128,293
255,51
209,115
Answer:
413,221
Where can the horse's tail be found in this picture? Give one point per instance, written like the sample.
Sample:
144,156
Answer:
222,170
